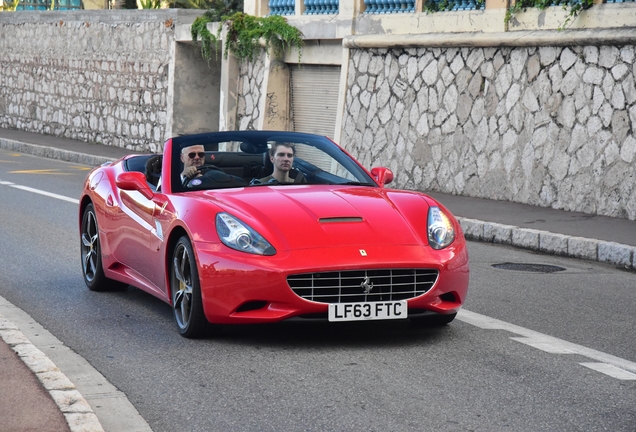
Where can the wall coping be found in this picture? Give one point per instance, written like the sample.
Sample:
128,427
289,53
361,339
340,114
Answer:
620,36
106,16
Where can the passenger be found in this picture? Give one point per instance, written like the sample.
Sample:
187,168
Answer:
192,158
282,157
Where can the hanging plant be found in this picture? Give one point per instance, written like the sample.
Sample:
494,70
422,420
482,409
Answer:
149,4
199,31
244,35
575,8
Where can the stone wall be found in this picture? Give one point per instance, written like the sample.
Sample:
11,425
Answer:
100,77
251,87
550,126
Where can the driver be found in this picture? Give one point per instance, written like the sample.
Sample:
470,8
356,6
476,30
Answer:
282,156
192,157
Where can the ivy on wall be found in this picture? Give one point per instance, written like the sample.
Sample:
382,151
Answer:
574,8
244,33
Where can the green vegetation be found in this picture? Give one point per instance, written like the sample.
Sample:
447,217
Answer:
218,7
573,6
245,33
150,4
9,6
438,6
447,5
575,9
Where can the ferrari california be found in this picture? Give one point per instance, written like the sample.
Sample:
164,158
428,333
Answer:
261,226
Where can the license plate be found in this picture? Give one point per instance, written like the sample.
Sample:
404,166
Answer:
368,311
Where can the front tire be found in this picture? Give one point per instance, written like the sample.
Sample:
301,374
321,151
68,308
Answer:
185,289
91,252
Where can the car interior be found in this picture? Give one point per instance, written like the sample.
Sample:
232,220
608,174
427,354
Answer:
241,168
236,162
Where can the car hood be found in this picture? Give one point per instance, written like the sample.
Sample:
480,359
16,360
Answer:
300,217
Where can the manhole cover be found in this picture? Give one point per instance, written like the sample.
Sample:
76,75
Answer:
537,268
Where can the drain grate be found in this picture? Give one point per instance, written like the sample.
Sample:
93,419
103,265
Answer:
536,268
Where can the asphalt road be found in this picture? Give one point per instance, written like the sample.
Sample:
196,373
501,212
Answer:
522,372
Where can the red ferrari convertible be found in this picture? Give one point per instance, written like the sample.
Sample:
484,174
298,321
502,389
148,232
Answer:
261,226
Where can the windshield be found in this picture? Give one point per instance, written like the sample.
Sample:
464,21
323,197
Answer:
260,158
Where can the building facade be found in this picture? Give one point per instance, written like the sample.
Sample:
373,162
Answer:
460,101
463,102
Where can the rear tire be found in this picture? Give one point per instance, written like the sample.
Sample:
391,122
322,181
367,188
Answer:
185,290
437,320
91,254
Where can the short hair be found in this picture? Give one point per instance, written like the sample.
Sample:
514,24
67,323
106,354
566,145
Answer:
276,144
183,150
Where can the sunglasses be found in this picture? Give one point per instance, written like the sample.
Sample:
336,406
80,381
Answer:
192,155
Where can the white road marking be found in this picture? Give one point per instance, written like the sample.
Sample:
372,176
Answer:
41,192
611,370
608,364
543,344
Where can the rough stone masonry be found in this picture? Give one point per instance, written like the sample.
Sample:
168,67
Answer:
549,126
97,77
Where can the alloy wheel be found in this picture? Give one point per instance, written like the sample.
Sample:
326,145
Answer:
182,286
90,246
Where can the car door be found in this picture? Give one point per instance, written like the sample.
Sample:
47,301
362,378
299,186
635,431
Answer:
141,236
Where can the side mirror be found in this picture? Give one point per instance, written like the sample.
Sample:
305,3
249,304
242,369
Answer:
134,181
382,175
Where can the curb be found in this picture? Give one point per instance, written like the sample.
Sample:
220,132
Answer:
53,153
78,413
550,243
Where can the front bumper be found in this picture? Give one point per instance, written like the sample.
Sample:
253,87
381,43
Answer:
239,288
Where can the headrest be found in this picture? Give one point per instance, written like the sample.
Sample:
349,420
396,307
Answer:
268,166
248,147
231,159
153,169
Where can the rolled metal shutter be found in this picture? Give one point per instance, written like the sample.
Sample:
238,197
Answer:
314,92
314,103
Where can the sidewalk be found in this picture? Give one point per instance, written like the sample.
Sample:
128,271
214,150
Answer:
25,404
578,235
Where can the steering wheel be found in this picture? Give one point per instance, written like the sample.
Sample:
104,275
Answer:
205,168
202,170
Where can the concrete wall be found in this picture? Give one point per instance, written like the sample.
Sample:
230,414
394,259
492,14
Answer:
197,84
98,76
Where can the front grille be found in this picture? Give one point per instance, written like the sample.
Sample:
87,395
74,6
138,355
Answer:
349,286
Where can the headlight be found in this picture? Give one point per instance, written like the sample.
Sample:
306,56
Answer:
440,229
237,235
